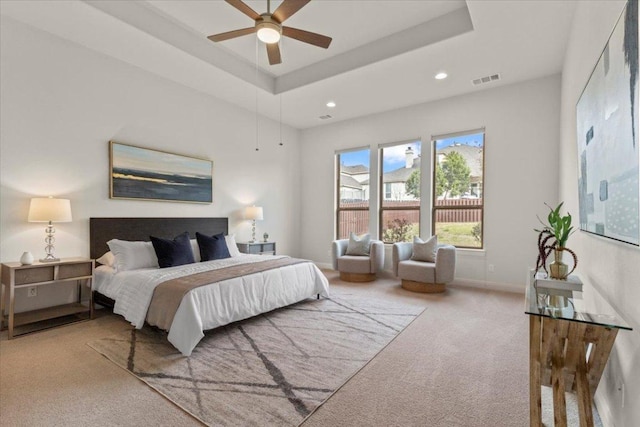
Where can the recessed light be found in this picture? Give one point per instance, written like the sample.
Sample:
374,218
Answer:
441,76
331,104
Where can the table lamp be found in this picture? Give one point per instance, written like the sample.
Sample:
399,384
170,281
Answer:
253,213
48,209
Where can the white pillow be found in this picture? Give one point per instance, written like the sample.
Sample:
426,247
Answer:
425,251
231,245
359,245
196,250
107,259
133,255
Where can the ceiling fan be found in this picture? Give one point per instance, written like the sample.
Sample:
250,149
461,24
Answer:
269,27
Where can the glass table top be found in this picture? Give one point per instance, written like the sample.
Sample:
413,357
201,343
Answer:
571,305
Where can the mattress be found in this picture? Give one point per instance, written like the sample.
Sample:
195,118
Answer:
210,306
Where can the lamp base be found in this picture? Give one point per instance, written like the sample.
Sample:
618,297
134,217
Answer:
52,259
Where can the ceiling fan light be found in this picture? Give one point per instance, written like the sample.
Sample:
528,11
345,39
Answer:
268,33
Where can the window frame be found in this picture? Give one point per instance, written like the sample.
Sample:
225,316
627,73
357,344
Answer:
339,209
434,207
382,190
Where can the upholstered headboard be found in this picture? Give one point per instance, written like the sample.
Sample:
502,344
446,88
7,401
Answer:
101,230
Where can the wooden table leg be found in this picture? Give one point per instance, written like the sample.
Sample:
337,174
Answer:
582,387
535,393
557,383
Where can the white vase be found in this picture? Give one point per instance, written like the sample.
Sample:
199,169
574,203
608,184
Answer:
26,258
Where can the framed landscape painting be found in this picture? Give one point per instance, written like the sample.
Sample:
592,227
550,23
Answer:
607,130
142,173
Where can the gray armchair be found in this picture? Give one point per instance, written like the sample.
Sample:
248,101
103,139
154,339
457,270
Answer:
357,268
421,276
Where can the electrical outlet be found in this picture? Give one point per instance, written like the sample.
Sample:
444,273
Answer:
32,291
490,268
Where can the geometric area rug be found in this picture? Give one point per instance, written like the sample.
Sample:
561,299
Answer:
272,369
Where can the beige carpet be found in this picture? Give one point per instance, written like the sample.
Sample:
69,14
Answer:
463,362
272,369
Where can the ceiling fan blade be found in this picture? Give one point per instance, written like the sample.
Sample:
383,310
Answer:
288,8
307,37
231,34
273,52
242,7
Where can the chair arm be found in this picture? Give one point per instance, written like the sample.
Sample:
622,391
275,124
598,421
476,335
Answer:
338,249
401,251
376,255
445,263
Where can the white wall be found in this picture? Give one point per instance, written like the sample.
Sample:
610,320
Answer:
522,137
610,270
62,103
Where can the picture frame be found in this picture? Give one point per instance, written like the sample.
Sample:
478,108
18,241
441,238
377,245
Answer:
607,137
139,173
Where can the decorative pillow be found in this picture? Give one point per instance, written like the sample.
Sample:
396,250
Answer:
107,259
425,251
172,253
196,250
214,247
232,247
132,255
359,245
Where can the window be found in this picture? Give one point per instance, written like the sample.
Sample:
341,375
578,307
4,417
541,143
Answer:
352,213
400,192
458,176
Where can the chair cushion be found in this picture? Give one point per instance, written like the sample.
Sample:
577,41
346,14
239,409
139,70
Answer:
354,264
418,271
425,250
359,245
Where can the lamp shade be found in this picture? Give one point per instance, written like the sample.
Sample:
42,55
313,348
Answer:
253,212
45,209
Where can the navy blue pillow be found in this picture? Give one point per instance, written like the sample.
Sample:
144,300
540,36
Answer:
174,252
214,247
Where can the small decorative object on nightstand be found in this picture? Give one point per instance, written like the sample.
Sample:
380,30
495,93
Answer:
257,248
266,237
29,277
26,258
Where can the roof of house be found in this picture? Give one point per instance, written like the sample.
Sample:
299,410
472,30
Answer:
472,155
349,181
354,169
401,174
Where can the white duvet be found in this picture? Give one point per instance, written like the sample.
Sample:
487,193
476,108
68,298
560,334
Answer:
213,305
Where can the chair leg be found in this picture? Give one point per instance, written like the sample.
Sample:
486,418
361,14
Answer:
429,288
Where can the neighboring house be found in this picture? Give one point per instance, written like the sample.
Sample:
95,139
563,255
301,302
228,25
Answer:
473,156
395,180
351,182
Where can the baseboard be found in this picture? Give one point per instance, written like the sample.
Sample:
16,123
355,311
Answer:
494,286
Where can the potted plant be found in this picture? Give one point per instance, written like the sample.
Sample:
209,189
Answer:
553,238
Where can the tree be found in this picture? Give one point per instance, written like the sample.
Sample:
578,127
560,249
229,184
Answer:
457,175
412,186
439,180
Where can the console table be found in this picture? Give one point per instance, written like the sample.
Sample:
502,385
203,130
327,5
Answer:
568,349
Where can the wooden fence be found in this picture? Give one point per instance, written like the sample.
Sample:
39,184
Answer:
358,220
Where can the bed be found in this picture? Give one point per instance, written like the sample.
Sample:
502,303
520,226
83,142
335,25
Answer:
244,285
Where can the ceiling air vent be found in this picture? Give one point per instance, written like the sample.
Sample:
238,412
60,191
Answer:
326,117
487,79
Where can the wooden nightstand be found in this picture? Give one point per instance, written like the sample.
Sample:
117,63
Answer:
257,248
18,276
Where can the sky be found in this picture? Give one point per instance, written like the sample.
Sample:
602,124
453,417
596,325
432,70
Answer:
131,157
394,157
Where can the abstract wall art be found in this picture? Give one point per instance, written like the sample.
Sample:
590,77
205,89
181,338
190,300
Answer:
607,131
142,173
